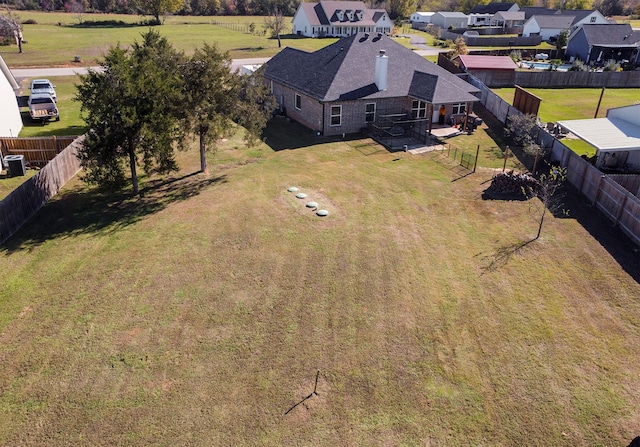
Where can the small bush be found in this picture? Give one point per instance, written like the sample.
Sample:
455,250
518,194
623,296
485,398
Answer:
150,22
30,22
611,65
578,65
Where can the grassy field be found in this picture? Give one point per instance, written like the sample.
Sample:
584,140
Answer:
576,103
56,38
201,312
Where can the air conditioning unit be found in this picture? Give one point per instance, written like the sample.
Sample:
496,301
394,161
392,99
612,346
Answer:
15,165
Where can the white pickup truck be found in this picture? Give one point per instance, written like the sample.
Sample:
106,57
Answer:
43,107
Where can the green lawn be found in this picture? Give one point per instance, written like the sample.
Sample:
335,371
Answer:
576,103
70,122
200,313
55,41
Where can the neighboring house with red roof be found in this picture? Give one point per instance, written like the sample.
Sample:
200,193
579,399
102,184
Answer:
363,80
338,19
500,69
10,119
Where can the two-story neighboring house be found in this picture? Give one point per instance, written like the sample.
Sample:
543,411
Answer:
363,80
549,26
584,17
10,119
338,19
600,43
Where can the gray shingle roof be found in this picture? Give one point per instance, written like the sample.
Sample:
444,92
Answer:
577,14
492,8
530,11
555,21
325,13
345,70
617,34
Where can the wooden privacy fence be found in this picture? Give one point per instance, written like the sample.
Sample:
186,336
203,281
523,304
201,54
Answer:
618,204
29,197
37,151
621,206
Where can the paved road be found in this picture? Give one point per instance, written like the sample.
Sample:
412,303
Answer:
23,73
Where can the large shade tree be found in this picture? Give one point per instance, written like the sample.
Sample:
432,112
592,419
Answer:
11,28
210,97
158,8
131,109
216,99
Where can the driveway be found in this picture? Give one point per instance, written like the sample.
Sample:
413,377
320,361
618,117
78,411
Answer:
420,43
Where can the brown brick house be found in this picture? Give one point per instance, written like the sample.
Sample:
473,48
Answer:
364,81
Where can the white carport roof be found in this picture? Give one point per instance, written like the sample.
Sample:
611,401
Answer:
610,134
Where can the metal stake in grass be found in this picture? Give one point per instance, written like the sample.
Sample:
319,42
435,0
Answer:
314,392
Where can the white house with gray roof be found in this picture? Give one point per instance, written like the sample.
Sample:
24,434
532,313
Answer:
365,80
339,19
446,19
10,119
549,26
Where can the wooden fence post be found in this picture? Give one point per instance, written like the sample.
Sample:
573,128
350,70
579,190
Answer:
597,196
584,174
475,163
620,210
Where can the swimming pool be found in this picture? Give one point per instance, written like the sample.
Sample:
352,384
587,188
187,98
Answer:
544,66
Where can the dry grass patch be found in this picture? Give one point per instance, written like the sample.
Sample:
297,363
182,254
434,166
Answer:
199,314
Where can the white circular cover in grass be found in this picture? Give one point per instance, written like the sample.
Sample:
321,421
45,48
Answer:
312,204
292,189
301,195
322,213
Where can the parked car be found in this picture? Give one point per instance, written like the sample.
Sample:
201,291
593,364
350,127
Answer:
43,86
42,107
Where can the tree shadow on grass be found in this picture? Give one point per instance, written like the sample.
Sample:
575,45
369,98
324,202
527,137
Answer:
612,239
502,255
85,210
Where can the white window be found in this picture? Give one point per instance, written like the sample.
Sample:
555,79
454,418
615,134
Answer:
458,108
298,102
370,112
418,109
336,115
592,20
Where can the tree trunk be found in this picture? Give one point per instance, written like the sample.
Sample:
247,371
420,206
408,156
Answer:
134,174
279,43
203,151
544,211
